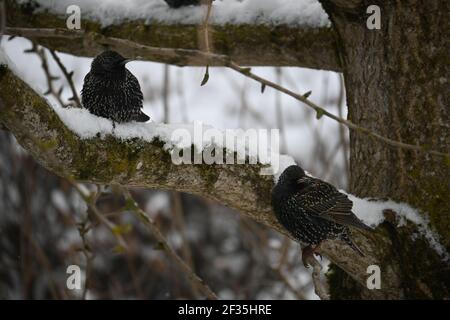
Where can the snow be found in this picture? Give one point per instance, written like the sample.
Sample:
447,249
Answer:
272,12
86,125
370,211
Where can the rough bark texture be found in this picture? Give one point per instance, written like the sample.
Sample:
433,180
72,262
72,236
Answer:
397,85
252,45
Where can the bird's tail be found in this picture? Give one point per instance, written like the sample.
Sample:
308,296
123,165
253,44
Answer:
352,245
141,117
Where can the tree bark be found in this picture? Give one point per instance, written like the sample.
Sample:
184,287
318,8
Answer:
250,45
397,85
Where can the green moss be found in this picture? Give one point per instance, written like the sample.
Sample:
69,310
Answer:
209,174
342,286
47,145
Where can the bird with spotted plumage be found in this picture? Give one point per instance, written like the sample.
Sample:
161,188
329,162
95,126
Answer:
111,91
313,210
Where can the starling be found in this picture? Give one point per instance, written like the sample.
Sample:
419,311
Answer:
111,91
182,3
313,210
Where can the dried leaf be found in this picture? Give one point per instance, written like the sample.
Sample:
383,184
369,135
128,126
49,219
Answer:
205,77
263,87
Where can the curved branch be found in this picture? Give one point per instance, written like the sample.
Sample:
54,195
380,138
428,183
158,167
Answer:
135,162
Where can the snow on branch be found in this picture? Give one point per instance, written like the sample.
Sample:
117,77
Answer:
254,33
81,147
269,12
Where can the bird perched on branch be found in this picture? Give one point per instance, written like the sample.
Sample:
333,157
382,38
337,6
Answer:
111,91
183,3
313,210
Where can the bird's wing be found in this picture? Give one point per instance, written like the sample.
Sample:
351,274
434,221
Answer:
137,92
325,201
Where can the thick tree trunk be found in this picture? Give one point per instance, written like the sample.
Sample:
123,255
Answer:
397,83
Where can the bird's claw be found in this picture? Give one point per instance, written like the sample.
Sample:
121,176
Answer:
308,253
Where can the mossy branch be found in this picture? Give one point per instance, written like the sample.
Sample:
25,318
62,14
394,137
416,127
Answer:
136,162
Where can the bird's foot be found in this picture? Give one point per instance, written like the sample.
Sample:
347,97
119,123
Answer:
308,253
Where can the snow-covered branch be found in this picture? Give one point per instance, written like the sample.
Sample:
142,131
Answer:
65,142
282,38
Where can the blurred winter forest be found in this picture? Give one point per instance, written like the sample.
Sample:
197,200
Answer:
45,225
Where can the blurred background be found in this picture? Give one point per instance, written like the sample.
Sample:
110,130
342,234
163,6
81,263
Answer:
45,226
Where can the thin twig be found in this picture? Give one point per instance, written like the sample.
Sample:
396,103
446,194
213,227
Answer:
322,112
90,201
165,93
83,229
148,221
69,78
40,52
205,25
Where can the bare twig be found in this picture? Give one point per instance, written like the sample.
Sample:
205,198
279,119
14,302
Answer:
204,38
322,112
204,28
56,93
178,218
69,78
148,221
83,229
90,201
166,85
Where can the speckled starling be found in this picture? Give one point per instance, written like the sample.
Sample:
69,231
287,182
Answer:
313,210
182,3
111,91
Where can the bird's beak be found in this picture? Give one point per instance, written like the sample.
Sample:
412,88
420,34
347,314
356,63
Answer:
125,61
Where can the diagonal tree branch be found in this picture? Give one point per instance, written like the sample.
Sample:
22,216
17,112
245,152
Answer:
188,55
136,162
